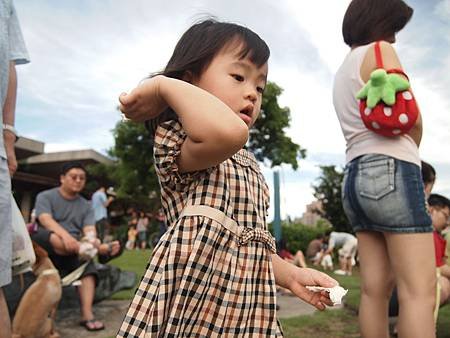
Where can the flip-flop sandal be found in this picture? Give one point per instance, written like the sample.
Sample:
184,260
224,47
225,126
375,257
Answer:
103,259
90,325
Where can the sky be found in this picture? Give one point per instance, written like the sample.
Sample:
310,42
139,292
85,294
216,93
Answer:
85,53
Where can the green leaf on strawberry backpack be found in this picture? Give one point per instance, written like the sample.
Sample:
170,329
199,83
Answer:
382,86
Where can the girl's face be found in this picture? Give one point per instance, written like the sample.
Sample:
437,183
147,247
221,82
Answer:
237,82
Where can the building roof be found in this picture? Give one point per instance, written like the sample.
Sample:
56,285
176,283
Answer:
26,147
49,164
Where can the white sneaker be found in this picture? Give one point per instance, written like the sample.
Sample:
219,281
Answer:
340,272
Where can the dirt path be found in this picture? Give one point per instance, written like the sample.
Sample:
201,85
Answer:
110,312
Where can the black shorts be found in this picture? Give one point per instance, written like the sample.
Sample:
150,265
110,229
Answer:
64,264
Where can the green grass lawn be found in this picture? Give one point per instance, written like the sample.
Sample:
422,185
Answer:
330,324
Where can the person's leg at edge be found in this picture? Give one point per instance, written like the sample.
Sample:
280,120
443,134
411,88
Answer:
5,322
376,284
351,259
412,260
349,267
342,261
86,292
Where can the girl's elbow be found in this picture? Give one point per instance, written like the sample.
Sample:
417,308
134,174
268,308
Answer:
235,137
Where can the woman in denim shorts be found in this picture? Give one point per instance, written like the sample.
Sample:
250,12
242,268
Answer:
383,194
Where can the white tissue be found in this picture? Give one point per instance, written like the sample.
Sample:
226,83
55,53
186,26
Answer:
87,251
336,292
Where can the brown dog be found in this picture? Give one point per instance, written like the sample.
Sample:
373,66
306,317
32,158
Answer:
36,312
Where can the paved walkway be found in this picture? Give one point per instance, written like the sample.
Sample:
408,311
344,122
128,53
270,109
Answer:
111,312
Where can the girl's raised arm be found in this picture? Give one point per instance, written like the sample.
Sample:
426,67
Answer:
214,131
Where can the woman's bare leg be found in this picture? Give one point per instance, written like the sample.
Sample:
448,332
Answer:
413,263
376,284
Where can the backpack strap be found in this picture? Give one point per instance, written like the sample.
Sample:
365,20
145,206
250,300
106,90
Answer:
378,57
379,60
397,71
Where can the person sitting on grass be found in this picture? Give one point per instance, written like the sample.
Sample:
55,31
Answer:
298,259
439,207
132,234
315,253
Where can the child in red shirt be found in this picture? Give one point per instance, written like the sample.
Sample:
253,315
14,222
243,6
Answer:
439,207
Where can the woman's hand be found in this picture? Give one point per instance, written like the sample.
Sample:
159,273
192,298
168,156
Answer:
9,140
296,279
144,102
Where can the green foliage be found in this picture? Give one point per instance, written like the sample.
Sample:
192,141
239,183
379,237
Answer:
297,236
133,148
268,140
99,175
328,191
134,173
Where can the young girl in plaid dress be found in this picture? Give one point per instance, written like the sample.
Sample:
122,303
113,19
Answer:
213,273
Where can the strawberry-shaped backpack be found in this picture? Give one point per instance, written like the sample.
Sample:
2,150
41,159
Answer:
387,106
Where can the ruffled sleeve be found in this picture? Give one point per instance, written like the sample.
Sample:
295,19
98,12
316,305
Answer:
169,138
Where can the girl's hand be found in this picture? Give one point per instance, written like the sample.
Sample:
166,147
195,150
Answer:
310,277
144,102
296,279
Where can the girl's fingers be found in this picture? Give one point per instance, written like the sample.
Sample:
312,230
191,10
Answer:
324,280
308,296
326,300
123,98
128,101
318,303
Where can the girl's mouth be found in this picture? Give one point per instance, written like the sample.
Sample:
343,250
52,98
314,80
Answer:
246,114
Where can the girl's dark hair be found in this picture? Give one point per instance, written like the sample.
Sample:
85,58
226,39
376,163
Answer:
428,173
366,21
438,201
199,45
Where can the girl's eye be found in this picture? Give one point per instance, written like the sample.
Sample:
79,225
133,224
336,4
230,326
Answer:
260,90
238,77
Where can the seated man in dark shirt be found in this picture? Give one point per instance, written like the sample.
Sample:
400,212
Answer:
65,218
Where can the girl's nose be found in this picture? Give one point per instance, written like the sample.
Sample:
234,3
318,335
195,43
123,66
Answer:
251,94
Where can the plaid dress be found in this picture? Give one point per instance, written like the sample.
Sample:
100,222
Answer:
211,273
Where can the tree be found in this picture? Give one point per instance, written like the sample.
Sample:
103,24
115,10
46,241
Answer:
328,191
134,172
268,140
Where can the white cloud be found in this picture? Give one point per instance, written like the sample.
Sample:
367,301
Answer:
442,9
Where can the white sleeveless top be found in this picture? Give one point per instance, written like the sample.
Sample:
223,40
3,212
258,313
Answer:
360,140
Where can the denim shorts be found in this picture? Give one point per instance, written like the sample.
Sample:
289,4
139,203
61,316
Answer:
381,193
